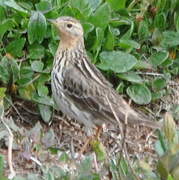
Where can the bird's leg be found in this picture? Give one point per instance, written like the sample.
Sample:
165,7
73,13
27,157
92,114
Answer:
99,129
87,142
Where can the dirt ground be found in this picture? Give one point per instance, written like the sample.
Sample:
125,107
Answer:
36,141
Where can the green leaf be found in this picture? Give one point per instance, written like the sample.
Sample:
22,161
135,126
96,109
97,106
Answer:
44,6
15,47
159,83
128,33
18,177
82,5
143,30
170,39
37,27
101,17
64,157
53,47
45,112
117,61
86,165
88,27
117,4
15,70
5,26
37,66
158,95
2,92
43,100
158,58
110,40
160,21
126,44
177,23
99,149
2,14
4,70
14,5
28,90
98,41
42,89
1,165
36,51
94,4
143,65
140,94
131,77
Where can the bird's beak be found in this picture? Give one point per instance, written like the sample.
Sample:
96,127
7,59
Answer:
53,21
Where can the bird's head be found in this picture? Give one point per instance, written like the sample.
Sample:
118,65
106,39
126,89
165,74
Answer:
70,29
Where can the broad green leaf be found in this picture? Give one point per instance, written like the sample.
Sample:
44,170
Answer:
158,58
44,6
27,91
15,47
117,4
131,77
43,100
36,51
45,112
142,65
158,148
158,95
15,70
2,14
139,93
161,4
170,39
2,92
86,165
37,27
5,26
177,23
82,5
14,5
126,44
170,176
98,41
143,30
1,165
110,40
31,176
99,149
117,61
53,47
26,72
88,27
101,17
4,70
159,84
26,5
94,4
64,157
42,89
128,34
37,66
160,21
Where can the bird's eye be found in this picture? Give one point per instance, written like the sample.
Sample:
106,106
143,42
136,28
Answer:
69,25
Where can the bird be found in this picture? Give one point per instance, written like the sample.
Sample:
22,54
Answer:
79,89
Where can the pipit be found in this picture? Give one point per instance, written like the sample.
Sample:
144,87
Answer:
79,88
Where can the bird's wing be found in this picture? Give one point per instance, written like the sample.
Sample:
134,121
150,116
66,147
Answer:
87,91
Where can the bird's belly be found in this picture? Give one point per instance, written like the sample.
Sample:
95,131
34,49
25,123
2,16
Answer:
68,107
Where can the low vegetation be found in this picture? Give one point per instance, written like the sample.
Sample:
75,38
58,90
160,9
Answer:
134,43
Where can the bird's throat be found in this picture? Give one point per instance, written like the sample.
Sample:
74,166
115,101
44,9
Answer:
70,42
